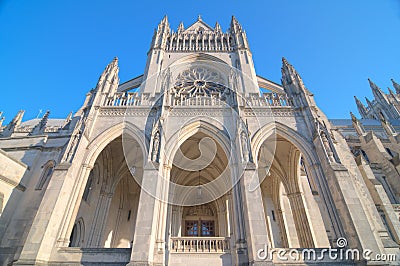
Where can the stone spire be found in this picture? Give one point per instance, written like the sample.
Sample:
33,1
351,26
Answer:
109,80
235,25
160,35
18,118
67,121
396,86
377,92
387,126
217,27
181,28
39,128
13,124
357,125
239,34
290,76
371,107
362,110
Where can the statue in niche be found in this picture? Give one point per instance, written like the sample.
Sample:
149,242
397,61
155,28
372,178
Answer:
156,146
245,146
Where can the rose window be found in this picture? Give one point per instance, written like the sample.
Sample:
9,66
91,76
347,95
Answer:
199,81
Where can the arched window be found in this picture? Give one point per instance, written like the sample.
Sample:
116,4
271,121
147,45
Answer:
88,187
46,173
77,235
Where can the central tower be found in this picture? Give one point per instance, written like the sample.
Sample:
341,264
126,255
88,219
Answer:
199,42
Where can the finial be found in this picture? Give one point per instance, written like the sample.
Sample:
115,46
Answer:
181,28
284,61
217,27
373,85
199,18
353,117
396,86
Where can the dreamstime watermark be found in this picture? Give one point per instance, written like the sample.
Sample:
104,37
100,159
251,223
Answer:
341,253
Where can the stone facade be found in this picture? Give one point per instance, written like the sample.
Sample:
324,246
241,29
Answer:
200,161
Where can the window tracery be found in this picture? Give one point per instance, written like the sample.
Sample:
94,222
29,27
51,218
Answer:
199,81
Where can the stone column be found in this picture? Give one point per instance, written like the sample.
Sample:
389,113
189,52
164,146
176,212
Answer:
301,220
256,226
317,227
282,229
239,223
100,219
145,231
60,195
162,216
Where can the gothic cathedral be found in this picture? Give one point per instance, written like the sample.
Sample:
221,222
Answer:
202,161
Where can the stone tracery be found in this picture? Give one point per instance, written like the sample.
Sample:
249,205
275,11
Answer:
199,81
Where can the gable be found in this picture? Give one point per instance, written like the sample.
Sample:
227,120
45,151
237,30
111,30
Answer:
199,25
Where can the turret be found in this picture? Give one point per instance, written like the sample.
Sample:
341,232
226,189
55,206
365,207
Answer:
160,34
239,34
362,110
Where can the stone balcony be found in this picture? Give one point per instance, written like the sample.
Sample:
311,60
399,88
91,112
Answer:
199,245
269,99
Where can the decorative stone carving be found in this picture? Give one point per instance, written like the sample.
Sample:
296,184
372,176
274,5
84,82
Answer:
327,147
200,210
156,146
199,81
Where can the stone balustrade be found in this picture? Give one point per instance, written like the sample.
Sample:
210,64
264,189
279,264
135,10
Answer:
183,99
271,99
199,244
129,99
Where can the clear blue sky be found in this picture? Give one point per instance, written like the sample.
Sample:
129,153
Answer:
52,52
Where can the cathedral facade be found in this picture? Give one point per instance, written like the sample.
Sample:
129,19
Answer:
201,161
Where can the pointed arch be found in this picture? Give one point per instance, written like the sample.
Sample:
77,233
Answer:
48,168
206,126
288,133
97,145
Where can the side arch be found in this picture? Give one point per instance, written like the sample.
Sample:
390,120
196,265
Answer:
288,133
97,145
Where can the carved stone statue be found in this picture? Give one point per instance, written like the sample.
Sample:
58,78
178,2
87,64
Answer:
156,146
245,146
